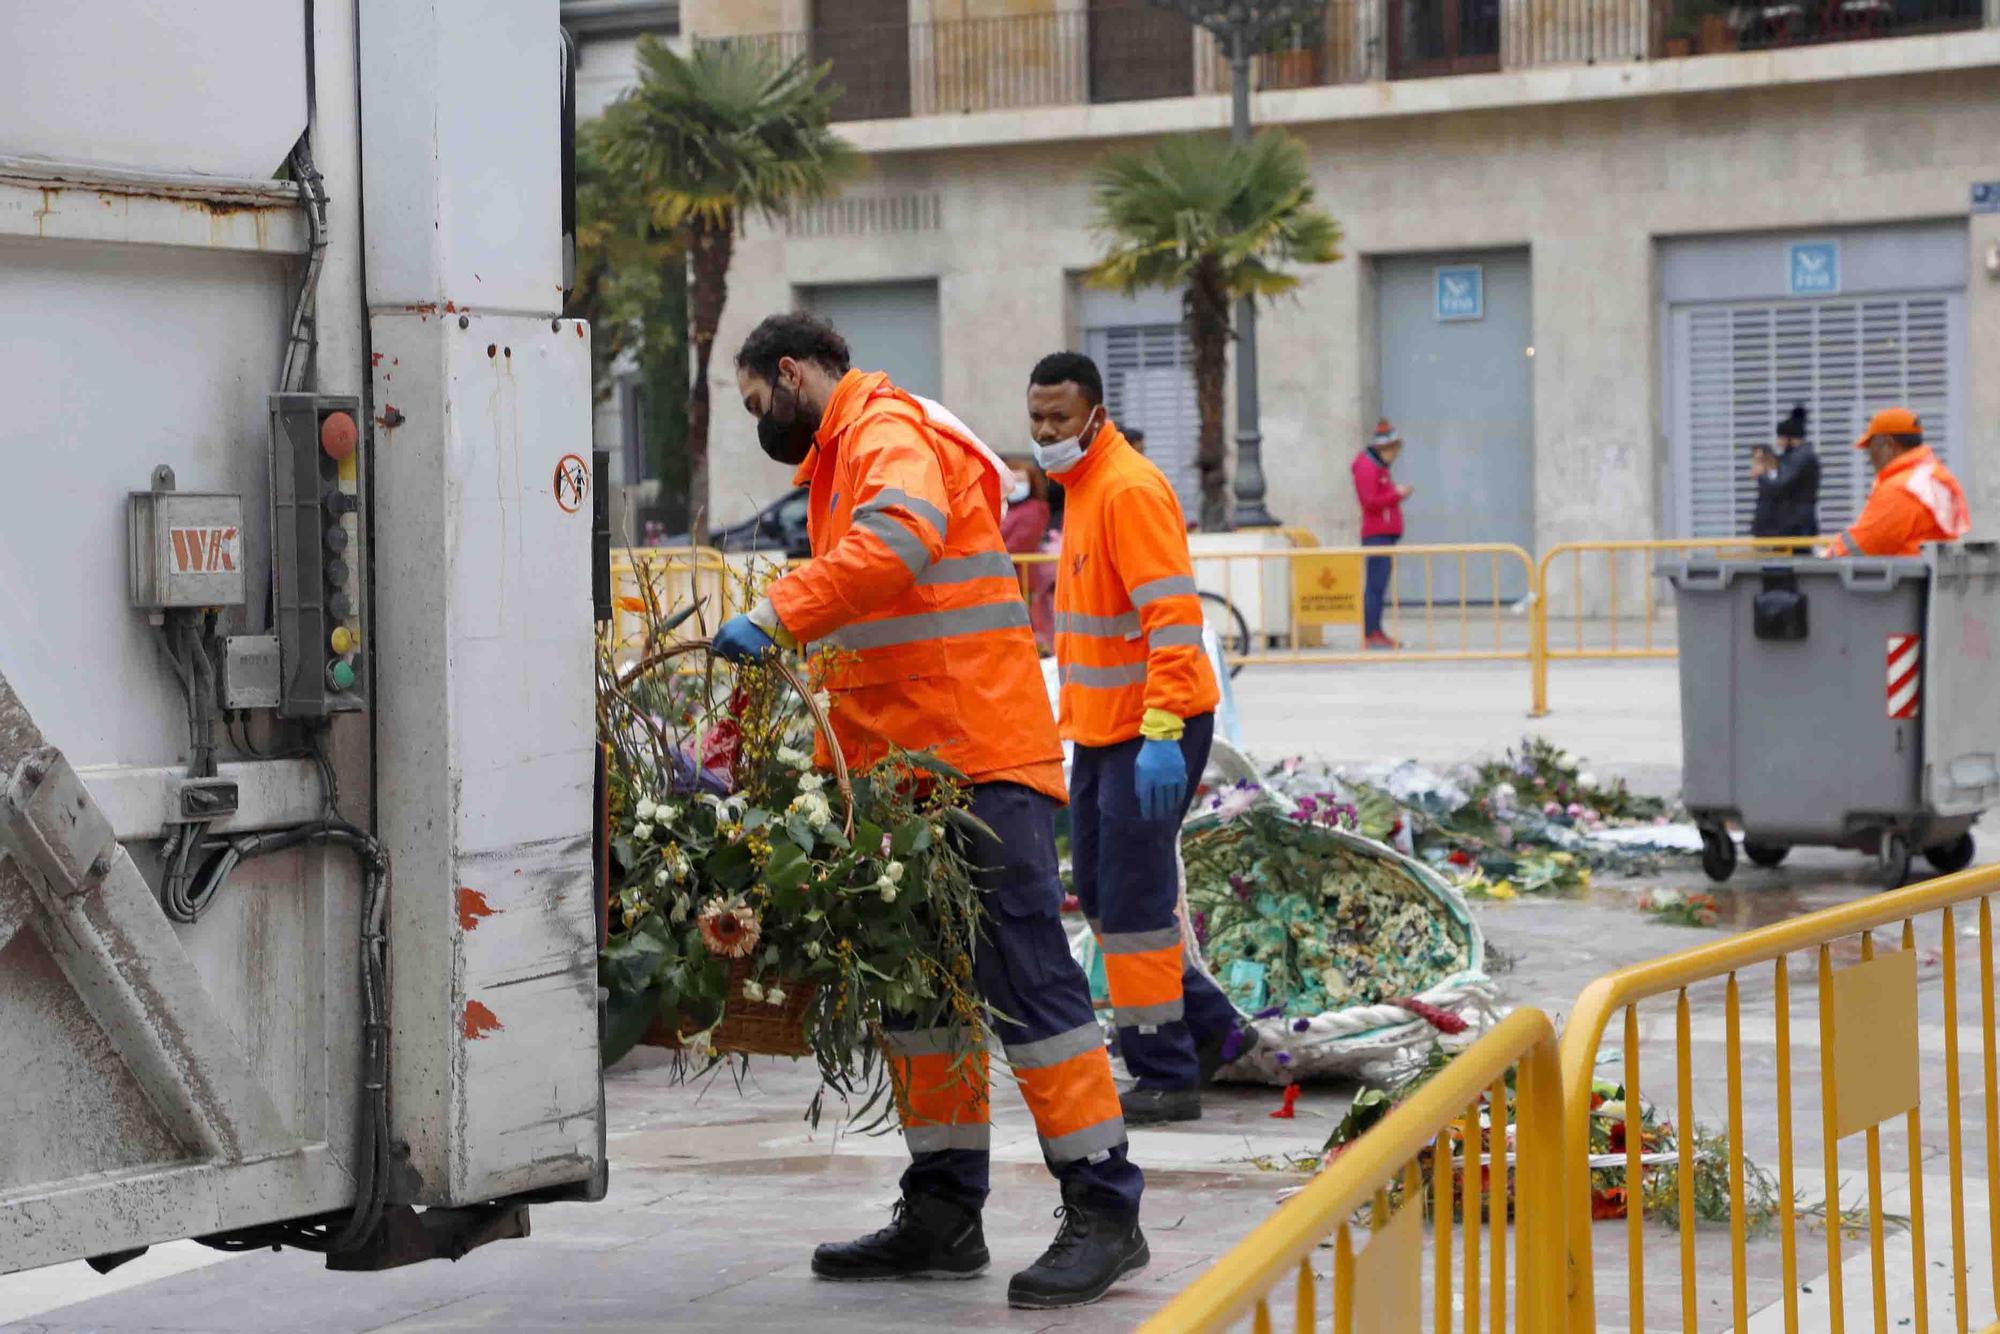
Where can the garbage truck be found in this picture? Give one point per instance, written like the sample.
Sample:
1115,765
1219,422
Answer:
299,901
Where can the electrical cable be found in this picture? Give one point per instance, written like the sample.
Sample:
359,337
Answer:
371,1158
304,332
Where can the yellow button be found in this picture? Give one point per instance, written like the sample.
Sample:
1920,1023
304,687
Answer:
343,640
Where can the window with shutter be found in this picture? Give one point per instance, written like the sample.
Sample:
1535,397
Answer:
1149,386
1739,368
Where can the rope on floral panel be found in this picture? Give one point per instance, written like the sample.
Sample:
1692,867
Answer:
823,723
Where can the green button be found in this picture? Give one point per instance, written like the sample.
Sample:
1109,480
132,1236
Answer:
340,674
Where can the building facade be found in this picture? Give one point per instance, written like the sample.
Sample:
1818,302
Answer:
1594,251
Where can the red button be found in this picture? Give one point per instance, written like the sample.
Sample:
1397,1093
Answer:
337,436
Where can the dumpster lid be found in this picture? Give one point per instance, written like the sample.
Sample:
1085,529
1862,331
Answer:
1859,574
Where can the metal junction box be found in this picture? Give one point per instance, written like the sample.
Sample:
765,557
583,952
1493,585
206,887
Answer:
186,547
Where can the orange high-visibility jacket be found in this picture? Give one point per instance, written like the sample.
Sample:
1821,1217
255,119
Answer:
1128,622
1915,500
912,586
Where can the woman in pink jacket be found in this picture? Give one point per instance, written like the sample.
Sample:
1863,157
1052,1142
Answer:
1381,500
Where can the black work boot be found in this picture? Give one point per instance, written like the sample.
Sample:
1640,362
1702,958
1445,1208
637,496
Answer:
1223,1049
1153,1107
1092,1250
927,1237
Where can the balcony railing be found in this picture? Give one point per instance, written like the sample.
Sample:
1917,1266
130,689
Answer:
1128,54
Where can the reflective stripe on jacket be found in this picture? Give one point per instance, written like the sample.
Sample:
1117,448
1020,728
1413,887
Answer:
1915,500
912,587
1128,622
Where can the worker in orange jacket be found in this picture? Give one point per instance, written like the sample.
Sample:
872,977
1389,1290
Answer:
1915,499
911,582
1138,700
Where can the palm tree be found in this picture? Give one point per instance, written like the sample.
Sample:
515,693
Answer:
1214,219
734,127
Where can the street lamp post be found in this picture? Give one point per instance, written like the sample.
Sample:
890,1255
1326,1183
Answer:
1241,25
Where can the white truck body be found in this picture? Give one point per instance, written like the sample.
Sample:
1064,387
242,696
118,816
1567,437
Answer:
161,1079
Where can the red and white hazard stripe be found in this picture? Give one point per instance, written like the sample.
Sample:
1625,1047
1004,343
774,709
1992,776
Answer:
1905,656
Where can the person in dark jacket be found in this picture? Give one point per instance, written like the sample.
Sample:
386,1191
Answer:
1787,483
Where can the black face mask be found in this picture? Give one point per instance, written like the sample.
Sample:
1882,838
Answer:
784,432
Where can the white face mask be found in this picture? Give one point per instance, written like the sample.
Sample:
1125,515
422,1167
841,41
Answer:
1018,494
1062,455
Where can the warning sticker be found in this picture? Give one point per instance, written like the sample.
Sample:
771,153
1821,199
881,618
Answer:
572,483
206,550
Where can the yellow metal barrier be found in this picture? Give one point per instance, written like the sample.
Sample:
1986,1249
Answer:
1290,598
1621,618
1869,1075
1378,1285
666,579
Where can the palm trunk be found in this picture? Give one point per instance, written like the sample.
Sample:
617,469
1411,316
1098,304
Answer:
709,245
1206,313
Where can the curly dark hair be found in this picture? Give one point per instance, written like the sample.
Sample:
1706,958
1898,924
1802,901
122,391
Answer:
797,334
1070,368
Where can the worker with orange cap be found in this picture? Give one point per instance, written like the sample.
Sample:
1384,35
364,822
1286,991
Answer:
1915,499
911,581
1138,699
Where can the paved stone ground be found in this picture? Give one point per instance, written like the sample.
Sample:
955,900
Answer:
718,1193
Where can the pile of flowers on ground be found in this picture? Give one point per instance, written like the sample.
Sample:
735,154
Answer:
1523,824
1659,1150
1292,917
1677,908
742,876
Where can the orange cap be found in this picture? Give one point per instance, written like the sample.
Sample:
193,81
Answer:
1890,421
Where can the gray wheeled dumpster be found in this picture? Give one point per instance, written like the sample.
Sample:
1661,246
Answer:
1840,703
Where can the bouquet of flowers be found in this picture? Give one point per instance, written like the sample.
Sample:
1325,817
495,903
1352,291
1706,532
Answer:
759,904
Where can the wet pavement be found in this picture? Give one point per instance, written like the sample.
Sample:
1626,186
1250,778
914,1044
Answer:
719,1191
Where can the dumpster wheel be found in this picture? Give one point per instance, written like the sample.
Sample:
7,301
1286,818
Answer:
1766,855
1718,853
1892,860
1949,858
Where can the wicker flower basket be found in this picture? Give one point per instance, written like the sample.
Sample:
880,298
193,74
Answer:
751,1028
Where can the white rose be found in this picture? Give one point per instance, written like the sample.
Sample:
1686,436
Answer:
775,996
811,783
752,992
645,810
894,872
888,888
1586,781
642,830
1565,760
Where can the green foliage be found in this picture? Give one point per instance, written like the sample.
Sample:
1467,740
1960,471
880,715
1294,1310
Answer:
733,126
1196,207
1291,915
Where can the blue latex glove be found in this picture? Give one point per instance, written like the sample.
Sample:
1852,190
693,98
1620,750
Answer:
742,640
1159,779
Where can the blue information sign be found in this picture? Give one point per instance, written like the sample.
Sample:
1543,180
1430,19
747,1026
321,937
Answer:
1986,197
1461,292
1815,268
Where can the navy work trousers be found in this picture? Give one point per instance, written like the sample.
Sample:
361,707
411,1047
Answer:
1023,966
1129,886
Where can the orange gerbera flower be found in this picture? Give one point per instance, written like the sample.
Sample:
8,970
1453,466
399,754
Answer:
729,932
